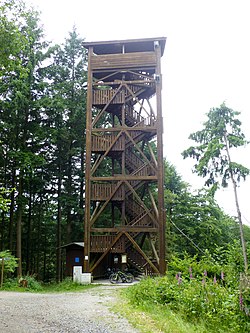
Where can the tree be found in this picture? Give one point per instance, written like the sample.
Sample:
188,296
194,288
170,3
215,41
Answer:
221,132
10,262
198,224
42,131
21,136
11,38
65,123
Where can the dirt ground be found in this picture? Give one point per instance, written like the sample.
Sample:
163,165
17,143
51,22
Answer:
88,311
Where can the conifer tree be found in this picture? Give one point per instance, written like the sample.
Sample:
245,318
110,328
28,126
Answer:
221,132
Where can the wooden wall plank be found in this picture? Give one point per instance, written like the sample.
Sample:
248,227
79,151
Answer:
126,60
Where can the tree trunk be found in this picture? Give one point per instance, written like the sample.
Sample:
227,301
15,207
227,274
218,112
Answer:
59,228
12,206
242,238
28,240
2,232
45,256
19,224
69,190
38,259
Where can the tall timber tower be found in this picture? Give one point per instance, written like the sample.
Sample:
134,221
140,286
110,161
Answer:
124,198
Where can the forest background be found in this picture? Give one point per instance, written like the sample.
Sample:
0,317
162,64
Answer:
42,135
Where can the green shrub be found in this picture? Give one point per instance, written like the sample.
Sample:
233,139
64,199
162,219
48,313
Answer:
17,284
208,302
10,262
10,284
32,283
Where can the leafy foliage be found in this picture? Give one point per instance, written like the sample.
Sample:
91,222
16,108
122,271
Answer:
4,202
221,132
42,124
198,297
10,262
195,221
11,39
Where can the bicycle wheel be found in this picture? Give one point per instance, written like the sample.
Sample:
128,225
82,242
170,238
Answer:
114,278
129,278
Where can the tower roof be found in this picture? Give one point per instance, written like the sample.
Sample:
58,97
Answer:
127,45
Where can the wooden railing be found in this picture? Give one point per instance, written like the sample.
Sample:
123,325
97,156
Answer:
103,142
104,96
103,191
100,243
133,118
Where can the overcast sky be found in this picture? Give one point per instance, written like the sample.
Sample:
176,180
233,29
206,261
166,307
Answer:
206,62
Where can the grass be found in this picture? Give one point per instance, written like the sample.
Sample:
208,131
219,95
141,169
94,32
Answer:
66,286
34,286
161,305
155,318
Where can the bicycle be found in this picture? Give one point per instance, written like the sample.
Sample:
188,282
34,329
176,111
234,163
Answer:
120,276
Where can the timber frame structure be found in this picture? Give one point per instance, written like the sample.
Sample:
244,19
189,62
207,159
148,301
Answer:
124,194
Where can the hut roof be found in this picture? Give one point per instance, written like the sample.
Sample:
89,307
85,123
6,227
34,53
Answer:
80,244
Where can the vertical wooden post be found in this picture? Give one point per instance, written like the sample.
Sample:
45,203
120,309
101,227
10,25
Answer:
88,167
161,207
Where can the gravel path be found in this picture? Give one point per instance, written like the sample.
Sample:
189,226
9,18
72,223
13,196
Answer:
65,312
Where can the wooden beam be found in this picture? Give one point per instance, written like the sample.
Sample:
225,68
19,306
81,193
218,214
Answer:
161,207
96,162
123,178
153,203
126,228
88,167
151,108
122,128
152,154
154,250
117,82
123,71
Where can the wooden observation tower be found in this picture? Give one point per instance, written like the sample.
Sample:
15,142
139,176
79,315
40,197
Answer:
124,198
